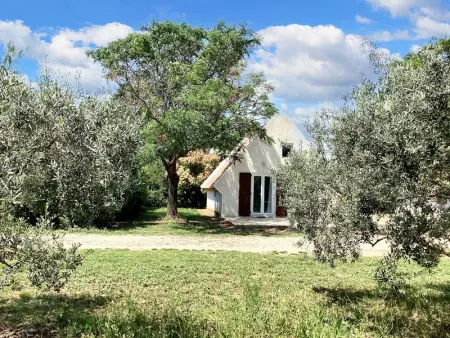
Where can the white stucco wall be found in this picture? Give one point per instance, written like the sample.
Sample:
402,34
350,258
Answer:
259,158
210,199
214,201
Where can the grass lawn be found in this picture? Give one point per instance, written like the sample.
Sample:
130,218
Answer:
165,293
154,222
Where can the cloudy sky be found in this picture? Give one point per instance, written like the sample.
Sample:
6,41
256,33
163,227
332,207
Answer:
312,49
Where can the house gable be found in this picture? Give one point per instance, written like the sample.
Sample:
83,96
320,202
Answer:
258,158
282,130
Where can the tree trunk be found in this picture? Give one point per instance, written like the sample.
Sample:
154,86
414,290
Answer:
172,186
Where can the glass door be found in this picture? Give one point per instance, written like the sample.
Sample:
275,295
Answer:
262,201
267,195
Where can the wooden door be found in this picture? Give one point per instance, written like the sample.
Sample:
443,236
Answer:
245,193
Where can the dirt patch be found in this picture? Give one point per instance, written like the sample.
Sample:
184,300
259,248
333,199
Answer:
206,212
209,242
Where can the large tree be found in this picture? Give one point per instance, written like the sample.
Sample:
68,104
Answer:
379,168
192,87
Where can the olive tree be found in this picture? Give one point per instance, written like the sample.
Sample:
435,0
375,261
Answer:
192,87
37,252
64,154
379,167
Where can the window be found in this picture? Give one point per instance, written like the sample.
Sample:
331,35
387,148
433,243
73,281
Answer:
286,150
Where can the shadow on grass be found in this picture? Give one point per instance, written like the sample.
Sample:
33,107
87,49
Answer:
41,316
193,222
420,312
56,315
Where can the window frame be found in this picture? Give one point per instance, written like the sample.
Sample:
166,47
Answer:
288,147
273,197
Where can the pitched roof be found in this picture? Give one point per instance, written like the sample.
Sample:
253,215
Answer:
215,175
222,167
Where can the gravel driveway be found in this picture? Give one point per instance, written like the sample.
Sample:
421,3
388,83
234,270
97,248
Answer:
231,243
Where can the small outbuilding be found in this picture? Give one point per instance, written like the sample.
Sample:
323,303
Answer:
247,187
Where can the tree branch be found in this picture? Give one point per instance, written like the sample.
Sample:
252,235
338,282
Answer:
377,241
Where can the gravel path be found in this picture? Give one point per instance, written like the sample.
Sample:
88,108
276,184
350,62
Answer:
230,243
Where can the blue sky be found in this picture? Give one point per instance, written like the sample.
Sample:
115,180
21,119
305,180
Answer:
311,52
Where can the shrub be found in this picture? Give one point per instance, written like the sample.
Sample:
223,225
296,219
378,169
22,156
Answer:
37,251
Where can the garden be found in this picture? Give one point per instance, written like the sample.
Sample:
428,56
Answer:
131,162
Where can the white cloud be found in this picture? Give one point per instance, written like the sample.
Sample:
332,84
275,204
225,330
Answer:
427,27
310,64
401,34
304,112
65,50
397,7
415,48
97,35
22,37
363,20
429,18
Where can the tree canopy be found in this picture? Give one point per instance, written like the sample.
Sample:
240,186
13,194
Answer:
192,87
379,167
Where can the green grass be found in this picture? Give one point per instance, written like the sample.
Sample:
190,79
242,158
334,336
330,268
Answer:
154,222
228,294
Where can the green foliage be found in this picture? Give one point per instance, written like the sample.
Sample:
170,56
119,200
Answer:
193,169
64,154
313,198
37,251
153,184
152,177
191,86
384,156
389,276
441,46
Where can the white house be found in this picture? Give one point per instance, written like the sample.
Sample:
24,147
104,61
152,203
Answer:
247,187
